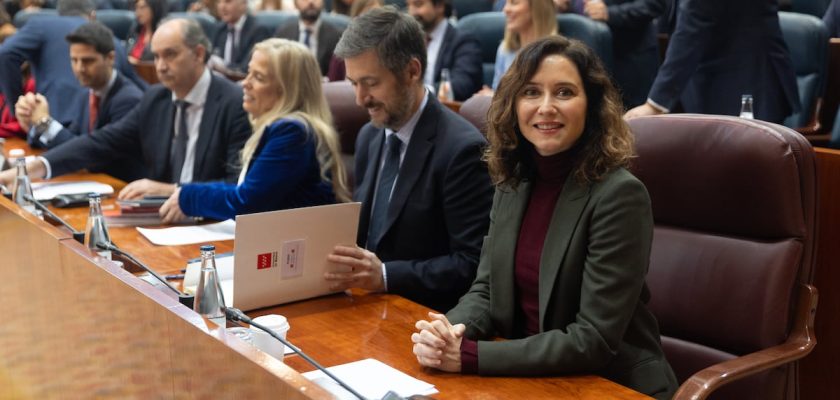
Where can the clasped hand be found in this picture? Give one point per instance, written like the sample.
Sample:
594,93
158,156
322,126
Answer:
437,344
358,268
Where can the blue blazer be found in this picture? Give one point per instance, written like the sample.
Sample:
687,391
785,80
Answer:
283,173
439,209
461,53
722,49
42,42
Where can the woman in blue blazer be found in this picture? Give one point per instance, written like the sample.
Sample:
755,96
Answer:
562,269
292,159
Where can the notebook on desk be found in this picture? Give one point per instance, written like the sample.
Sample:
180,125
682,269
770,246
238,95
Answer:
281,256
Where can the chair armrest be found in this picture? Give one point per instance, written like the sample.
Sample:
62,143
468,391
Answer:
800,342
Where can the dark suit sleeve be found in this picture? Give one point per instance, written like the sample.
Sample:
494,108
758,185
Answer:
619,238
695,23
467,196
103,146
18,48
257,34
466,70
636,13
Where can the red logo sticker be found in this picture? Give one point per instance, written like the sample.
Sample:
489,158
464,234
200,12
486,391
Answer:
264,261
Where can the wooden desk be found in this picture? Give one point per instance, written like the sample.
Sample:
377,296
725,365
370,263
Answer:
340,329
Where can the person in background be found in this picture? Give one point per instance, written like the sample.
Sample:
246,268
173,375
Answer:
337,70
362,6
316,33
832,19
635,48
424,190
448,48
148,14
719,51
9,125
236,34
207,7
525,22
292,159
562,270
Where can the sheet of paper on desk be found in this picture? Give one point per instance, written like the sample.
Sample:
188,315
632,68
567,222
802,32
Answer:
371,378
182,235
47,190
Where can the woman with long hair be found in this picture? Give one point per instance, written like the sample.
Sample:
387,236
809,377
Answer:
147,14
525,22
292,159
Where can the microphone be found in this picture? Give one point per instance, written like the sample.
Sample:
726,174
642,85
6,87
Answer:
235,314
183,298
77,236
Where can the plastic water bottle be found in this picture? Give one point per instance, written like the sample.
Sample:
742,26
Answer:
96,231
445,89
22,190
747,106
209,299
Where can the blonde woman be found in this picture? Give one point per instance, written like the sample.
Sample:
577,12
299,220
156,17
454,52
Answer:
525,22
292,159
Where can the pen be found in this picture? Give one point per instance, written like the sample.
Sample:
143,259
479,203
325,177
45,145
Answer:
172,277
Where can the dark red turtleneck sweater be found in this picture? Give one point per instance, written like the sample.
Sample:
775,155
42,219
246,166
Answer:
552,172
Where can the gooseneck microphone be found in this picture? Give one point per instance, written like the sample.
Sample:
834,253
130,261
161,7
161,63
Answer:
235,314
183,298
77,236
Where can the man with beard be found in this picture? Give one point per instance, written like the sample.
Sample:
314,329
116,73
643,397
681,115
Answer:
448,48
313,31
425,192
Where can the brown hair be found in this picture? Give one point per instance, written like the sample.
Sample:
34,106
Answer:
606,142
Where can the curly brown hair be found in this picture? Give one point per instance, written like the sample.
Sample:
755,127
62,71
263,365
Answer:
606,142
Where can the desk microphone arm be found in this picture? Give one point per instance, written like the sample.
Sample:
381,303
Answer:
77,236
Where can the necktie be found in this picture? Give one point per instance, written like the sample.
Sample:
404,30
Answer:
93,108
179,150
230,45
387,177
307,33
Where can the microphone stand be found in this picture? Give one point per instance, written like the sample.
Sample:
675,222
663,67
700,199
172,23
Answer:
77,236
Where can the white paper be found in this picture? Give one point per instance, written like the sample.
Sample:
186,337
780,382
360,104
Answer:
190,234
48,190
372,379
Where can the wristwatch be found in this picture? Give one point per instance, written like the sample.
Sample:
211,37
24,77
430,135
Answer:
42,125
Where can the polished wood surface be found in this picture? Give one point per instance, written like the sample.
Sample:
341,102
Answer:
333,330
820,371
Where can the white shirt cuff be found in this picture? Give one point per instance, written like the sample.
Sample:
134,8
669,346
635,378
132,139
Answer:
384,277
47,169
50,134
657,106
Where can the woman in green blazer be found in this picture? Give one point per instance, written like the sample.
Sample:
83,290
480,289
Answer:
562,270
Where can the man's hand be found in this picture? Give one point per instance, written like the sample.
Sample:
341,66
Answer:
30,109
641,111
437,344
359,268
170,212
146,187
35,168
597,10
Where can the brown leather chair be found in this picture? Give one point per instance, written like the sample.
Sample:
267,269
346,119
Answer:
348,119
474,110
734,205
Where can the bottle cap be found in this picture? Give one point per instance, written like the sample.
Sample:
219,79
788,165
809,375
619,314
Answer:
16,153
208,247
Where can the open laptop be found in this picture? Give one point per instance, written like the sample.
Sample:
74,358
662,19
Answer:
281,256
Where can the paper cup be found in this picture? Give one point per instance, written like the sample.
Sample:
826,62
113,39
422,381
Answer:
265,342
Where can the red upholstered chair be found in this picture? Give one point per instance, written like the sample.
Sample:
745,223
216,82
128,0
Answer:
734,205
348,119
474,110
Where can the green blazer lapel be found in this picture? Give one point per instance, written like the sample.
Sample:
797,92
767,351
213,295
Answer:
566,215
508,214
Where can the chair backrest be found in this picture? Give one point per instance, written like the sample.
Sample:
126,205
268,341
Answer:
594,34
119,21
208,23
475,111
339,21
348,118
734,206
462,8
489,29
807,40
812,7
22,16
273,19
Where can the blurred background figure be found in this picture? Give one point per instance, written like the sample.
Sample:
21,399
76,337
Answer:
148,14
314,32
525,22
236,35
342,7
360,7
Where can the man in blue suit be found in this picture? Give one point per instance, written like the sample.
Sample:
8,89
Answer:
41,42
236,35
111,96
446,47
720,50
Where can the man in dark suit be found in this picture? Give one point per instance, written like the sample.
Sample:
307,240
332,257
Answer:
41,42
313,31
635,50
446,47
832,18
425,192
719,51
111,96
236,35
190,128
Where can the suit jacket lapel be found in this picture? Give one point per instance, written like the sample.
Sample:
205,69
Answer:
444,49
566,215
243,46
205,128
368,185
167,134
509,213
